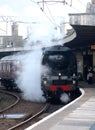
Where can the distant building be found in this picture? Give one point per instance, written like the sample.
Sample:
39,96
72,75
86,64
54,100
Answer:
13,40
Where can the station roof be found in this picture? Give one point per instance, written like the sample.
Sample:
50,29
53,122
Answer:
85,36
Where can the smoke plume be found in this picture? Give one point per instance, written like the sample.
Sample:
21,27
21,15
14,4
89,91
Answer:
29,77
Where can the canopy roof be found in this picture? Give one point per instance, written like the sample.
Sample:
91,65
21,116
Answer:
85,36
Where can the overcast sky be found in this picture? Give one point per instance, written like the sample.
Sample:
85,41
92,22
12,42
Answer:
30,8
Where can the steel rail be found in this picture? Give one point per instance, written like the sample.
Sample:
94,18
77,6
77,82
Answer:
30,118
10,106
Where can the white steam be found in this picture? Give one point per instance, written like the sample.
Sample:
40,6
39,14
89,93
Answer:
65,98
44,34
45,70
29,78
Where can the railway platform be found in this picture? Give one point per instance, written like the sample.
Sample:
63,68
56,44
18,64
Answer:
78,115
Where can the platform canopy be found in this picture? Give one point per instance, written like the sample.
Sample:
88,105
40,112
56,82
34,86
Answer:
85,36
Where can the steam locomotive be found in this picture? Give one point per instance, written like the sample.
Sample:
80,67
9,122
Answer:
59,80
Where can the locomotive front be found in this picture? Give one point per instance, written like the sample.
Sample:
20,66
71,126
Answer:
59,77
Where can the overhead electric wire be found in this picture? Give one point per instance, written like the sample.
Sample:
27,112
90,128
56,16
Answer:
51,2
53,22
2,30
75,9
82,3
71,6
37,3
51,15
33,1
61,1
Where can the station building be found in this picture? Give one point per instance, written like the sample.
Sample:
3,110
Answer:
13,40
12,43
84,42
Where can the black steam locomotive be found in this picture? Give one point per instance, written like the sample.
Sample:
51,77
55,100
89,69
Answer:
59,78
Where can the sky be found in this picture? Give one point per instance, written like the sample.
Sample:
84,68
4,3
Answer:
34,10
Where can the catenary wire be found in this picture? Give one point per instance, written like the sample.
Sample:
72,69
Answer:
46,2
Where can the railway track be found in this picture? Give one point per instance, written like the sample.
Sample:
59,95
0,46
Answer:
33,113
8,100
46,110
13,104
30,120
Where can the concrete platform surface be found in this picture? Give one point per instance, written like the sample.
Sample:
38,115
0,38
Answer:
79,115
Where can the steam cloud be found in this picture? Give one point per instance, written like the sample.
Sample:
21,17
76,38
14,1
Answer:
29,77
44,34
